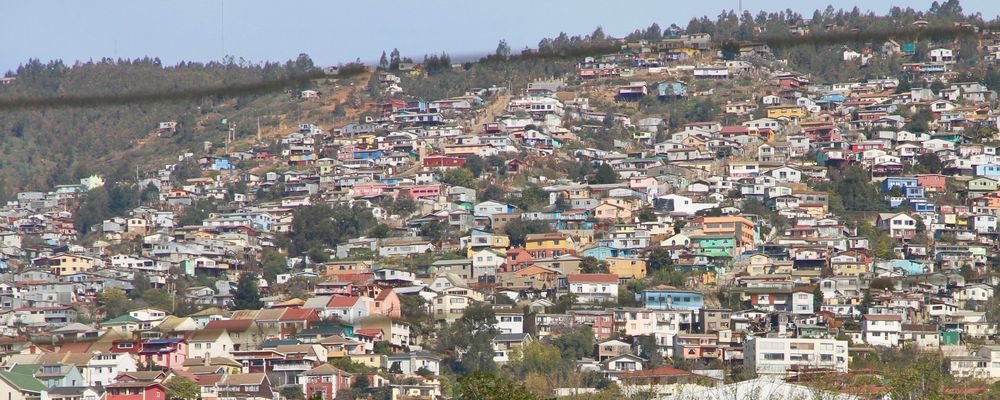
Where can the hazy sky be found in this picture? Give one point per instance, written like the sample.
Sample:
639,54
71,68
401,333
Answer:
333,31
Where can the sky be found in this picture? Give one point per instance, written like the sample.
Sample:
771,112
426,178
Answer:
335,31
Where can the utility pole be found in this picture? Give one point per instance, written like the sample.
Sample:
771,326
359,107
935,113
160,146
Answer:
258,129
231,136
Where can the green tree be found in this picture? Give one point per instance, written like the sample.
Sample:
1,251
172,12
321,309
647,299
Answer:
140,284
247,296
114,301
292,392
321,226
575,343
659,259
517,230
590,265
475,164
486,386
474,332
459,177
605,175
537,357
181,388
493,192
930,163
274,263
150,194
159,299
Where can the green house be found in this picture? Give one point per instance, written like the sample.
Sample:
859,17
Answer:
713,245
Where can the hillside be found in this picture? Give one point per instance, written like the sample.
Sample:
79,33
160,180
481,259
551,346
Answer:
42,147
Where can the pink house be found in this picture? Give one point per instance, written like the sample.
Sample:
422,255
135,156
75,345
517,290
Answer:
646,184
367,190
166,353
421,191
932,182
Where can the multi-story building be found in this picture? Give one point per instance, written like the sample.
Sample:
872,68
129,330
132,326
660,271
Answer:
784,355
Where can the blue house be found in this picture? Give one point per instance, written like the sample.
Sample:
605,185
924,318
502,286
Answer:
898,181
671,89
990,170
673,299
910,267
924,207
601,253
368,154
222,164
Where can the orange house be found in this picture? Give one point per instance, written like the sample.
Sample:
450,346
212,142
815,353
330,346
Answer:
932,182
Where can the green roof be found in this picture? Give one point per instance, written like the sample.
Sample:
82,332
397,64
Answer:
124,319
23,382
26,369
270,343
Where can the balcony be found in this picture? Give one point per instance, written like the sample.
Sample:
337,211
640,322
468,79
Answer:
292,366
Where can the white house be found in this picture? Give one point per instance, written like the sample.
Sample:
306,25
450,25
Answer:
594,288
780,355
103,368
882,330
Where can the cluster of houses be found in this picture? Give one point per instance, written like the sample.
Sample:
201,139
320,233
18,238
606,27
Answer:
784,288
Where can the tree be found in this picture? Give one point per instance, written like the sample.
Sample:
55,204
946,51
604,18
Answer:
459,177
503,50
274,264
321,226
114,301
382,347
486,386
394,60
181,388
247,296
575,343
474,332
659,259
518,229
150,194
380,231
159,299
140,284
930,163
590,265
817,299
493,192
881,284
475,164
536,357
383,62
605,175
292,392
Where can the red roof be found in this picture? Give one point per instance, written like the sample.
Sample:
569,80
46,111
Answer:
338,301
592,278
368,332
299,314
230,324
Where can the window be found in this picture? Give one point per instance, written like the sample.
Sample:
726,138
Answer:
774,356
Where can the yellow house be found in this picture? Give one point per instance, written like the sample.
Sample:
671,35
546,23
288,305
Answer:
786,111
849,268
365,141
544,245
369,360
607,210
630,268
68,264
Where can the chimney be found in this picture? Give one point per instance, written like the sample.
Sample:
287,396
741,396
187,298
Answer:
207,359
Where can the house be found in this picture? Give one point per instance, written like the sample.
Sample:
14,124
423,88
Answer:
17,386
593,288
324,382
898,226
882,330
209,343
135,390
250,386
410,363
669,298
781,356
